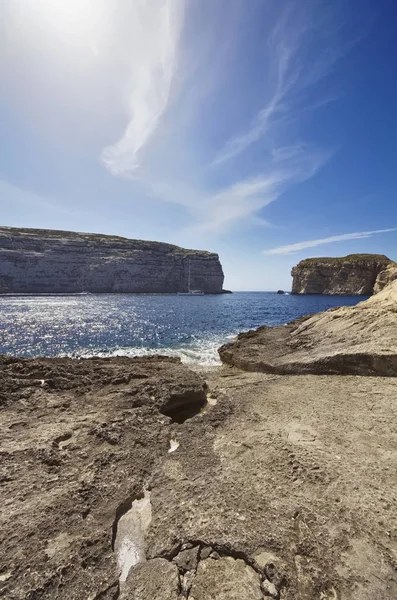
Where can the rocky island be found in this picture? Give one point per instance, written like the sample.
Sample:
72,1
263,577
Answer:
48,261
355,274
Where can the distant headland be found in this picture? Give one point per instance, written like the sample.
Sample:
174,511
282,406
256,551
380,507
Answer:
355,274
50,261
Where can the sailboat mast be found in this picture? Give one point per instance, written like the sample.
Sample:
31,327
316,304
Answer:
188,280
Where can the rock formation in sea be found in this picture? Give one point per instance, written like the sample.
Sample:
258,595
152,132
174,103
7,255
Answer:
354,274
48,261
355,340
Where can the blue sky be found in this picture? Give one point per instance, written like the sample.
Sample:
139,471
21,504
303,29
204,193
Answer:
263,130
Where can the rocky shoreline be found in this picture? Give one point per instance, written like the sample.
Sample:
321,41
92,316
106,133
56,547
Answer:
140,478
349,340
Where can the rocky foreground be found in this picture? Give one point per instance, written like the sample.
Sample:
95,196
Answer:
136,479
139,479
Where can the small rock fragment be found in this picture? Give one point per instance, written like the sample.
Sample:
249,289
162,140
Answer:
4,575
174,445
205,552
272,566
187,546
270,589
187,582
187,559
264,558
212,400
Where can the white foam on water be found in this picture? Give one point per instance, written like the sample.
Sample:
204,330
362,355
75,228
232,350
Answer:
130,537
202,352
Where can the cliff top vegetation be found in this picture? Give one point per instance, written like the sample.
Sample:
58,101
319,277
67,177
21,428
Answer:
47,235
350,258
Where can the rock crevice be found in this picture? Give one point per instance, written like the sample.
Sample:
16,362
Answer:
195,570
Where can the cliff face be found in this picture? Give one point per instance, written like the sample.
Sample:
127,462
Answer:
354,274
388,275
46,261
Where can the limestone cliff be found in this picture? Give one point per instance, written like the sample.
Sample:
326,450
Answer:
354,274
388,275
47,261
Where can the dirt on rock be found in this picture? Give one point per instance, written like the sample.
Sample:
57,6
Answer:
277,487
79,439
298,482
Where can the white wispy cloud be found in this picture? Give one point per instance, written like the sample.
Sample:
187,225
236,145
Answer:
170,169
155,30
292,248
289,78
240,202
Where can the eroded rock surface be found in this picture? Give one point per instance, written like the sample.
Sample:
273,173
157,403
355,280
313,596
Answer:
385,277
359,340
284,488
48,261
225,579
79,439
354,274
157,579
294,484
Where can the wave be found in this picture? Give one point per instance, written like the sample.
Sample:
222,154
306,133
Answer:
202,352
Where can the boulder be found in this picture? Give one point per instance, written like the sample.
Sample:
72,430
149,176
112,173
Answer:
357,340
157,579
225,579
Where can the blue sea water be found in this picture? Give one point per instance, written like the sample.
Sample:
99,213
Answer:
192,327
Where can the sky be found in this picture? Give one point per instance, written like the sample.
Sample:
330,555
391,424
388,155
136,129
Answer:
263,130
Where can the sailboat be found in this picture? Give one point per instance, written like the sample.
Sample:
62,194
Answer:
190,292
83,284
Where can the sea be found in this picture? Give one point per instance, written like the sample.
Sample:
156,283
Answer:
190,327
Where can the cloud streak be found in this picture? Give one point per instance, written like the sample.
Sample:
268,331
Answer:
162,150
155,30
241,201
292,248
289,78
